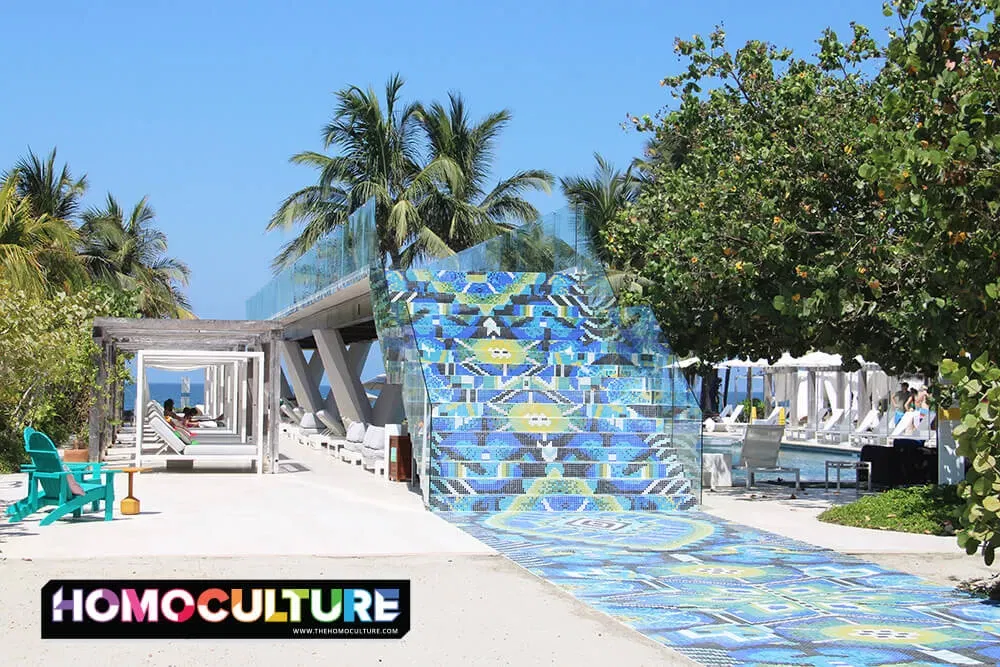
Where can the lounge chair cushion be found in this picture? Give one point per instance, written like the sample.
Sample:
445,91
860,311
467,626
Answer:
74,486
356,432
185,435
221,450
375,438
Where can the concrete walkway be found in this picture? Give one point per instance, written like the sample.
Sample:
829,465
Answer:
319,518
316,506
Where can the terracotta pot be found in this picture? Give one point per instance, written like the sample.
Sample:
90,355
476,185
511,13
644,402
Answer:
76,455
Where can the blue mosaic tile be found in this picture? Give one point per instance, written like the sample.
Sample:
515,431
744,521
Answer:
724,594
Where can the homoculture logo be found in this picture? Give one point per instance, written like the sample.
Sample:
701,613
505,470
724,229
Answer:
225,609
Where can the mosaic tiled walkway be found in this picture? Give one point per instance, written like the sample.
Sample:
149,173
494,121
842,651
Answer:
724,594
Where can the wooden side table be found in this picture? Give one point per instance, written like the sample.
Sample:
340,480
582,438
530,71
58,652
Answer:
130,504
400,449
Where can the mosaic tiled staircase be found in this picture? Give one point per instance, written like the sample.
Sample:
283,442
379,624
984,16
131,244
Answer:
541,399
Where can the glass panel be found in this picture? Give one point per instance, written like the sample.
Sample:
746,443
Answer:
402,365
339,259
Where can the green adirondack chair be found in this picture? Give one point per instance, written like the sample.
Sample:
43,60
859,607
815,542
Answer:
53,483
30,467
26,505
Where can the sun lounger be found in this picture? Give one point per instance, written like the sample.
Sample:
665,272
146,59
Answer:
831,428
354,444
771,419
174,442
759,453
330,438
871,429
726,421
374,451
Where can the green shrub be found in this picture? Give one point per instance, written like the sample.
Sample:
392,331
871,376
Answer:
932,510
47,364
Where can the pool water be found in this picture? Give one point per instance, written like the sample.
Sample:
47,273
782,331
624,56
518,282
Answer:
811,463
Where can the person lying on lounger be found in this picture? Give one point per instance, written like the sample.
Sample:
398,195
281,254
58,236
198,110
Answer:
191,419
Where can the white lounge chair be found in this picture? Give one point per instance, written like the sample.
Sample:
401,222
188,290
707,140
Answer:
771,419
831,428
374,451
911,427
175,443
870,429
729,423
905,427
332,438
759,453
352,450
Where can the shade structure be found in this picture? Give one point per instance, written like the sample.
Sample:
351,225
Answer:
812,361
744,363
231,351
252,361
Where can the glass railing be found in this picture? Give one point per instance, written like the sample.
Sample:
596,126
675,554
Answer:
402,366
339,259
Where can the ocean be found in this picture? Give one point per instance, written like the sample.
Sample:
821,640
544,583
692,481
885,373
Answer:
161,391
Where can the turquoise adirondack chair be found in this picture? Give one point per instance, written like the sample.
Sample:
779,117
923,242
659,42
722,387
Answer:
30,467
54,483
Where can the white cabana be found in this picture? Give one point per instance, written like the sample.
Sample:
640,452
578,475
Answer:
228,382
243,372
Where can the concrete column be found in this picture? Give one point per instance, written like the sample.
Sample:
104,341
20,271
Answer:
388,406
306,392
286,390
345,381
315,368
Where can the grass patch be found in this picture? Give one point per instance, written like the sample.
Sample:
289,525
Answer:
931,510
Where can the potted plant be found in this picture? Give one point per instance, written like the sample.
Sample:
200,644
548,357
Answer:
76,450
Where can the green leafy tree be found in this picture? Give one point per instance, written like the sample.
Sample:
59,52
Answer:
126,251
754,236
848,203
47,373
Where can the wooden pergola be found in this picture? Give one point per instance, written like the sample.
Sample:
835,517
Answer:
115,336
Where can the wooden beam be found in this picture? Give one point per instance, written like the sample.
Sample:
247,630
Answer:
97,404
272,390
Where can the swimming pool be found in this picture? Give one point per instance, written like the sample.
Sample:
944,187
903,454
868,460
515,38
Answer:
810,462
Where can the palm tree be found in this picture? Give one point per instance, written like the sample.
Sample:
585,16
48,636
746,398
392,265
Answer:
459,218
50,193
33,248
431,207
129,253
600,199
379,157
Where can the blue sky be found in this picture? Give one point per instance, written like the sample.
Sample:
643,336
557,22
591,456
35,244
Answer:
200,104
